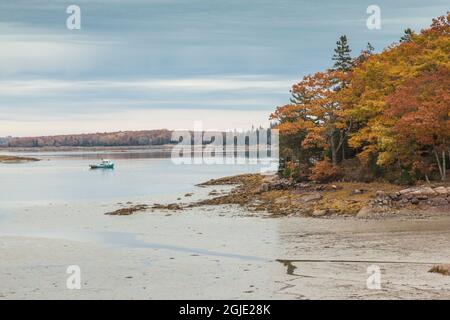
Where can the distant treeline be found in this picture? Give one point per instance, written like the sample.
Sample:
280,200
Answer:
122,138
135,138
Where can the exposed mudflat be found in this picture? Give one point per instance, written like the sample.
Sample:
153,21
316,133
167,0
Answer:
222,252
15,159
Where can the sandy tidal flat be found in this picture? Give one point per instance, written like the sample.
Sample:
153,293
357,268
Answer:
216,252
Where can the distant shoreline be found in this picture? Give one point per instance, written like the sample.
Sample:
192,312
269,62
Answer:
164,147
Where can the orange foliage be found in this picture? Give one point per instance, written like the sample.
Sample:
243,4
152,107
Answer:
392,108
324,171
320,112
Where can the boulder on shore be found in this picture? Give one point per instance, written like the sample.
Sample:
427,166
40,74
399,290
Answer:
310,197
441,268
364,212
319,212
441,190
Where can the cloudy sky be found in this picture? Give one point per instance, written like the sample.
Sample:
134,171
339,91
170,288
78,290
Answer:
144,64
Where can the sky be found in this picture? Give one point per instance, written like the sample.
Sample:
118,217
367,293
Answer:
150,64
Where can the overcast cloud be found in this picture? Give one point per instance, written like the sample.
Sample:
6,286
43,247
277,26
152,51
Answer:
165,63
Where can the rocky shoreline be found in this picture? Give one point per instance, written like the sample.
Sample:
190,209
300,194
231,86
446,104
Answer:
273,196
420,198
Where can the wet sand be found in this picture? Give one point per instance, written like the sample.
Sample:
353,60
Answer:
215,252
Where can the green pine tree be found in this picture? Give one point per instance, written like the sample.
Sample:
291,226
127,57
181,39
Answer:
342,58
365,54
407,36
370,49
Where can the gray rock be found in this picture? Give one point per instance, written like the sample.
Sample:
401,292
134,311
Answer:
282,200
424,191
394,197
319,212
443,269
441,190
365,212
380,193
310,197
439,202
428,191
406,191
264,187
270,178
303,185
415,201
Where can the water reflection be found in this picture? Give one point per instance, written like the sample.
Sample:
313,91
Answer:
123,239
290,268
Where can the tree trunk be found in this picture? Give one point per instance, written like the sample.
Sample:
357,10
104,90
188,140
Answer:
343,151
333,151
444,173
439,164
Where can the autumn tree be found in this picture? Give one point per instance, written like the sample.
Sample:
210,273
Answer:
374,81
316,110
390,108
421,111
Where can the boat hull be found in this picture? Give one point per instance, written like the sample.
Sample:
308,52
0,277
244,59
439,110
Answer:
109,166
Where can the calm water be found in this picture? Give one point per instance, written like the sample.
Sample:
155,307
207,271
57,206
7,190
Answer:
67,177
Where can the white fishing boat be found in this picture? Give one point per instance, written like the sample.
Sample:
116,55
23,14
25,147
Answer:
105,164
